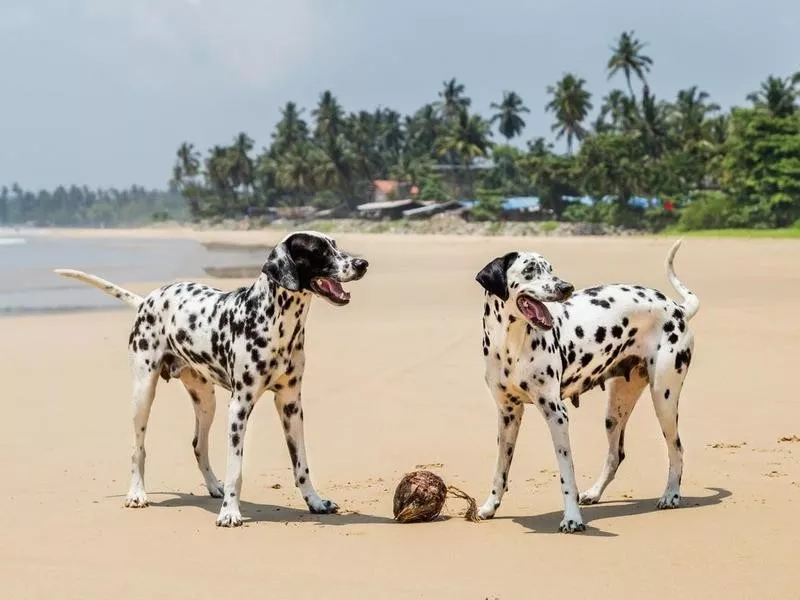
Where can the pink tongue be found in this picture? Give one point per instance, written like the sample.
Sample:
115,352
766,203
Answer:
332,287
535,311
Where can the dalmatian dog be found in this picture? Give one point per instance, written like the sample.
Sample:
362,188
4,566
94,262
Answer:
246,341
544,342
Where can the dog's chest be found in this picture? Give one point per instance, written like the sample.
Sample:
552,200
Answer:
521,359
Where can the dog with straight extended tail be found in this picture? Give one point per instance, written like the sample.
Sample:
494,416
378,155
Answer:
247,341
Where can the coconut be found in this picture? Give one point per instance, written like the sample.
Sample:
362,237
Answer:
420,496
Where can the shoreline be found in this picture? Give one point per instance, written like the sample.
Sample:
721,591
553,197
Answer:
243,236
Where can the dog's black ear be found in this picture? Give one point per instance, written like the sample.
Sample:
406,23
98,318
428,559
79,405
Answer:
493,277
281,268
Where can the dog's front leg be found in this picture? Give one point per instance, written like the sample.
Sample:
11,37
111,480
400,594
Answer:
239,410
290,411
509,419
555,413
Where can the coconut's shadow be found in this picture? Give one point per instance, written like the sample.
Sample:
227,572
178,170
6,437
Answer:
265,513
549,522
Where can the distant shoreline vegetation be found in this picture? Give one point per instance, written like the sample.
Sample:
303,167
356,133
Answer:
696,166
75,206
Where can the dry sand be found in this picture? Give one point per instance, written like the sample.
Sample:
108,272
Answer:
393,381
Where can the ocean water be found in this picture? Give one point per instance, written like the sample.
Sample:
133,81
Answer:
29,285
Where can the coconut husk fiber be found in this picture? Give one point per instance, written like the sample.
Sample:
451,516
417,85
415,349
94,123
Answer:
420,497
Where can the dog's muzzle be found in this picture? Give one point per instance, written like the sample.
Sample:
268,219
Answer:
360,267
564,290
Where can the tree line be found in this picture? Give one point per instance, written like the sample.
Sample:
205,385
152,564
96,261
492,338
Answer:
80,206
704,167
698,165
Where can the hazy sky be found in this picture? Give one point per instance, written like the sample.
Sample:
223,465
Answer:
102,92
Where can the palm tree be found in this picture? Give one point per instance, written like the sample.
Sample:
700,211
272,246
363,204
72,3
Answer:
188,159
653,127
777,95
329,116
452,99
570,103
508,114
619,109
390,131
467,138
295,169
336,168
422,130
219,168
627,57
241,164
290,130
689,115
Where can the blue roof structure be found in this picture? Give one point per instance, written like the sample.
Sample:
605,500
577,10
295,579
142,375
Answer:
534,203
522,203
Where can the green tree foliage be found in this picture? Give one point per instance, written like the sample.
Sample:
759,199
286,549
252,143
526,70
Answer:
636,159
761,166
508,115
627,57
570,104
693,164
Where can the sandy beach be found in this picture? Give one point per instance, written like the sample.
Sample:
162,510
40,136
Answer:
394,381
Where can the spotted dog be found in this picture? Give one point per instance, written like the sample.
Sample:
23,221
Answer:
543,342
246,341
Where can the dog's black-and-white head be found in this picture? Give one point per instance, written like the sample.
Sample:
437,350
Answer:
310,261
526,280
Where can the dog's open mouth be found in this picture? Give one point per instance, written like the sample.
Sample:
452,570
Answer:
331,290
535,312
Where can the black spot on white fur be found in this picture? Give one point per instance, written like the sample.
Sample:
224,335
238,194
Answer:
607,332
246,341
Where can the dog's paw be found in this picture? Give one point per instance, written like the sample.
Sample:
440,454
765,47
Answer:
229,517
216,490
488,509
137,499
571,526
319,506
589,497
669,500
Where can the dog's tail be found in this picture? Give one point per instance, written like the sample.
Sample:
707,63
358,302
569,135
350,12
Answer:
690,301
119,293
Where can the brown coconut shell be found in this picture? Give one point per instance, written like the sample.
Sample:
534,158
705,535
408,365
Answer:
420,497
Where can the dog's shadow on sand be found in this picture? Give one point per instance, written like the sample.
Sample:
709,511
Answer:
549,522
265,513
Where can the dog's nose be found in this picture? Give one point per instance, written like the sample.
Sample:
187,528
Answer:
565,289
360,265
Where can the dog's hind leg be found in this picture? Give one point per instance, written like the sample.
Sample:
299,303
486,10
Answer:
622,398
666,382
509,419
145,379
204,403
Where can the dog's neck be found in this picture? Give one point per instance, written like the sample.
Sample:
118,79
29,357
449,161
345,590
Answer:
506,328
287,306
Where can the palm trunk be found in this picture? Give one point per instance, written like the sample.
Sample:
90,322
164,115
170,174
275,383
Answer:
630,87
